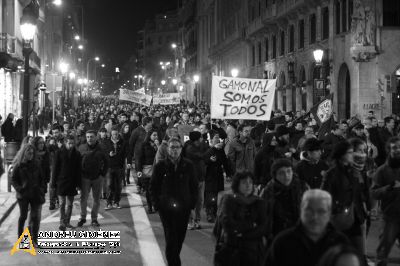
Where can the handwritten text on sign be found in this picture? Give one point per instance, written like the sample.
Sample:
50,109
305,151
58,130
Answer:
166,99
132,96
239,98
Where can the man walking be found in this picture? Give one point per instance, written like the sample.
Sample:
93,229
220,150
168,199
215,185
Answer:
174,191
94,165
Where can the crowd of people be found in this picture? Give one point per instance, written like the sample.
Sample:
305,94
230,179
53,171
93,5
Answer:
291,190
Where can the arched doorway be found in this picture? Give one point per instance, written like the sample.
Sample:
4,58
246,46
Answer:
344,92
303,90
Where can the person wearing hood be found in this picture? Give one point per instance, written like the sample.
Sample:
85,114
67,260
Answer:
283,149
242,150
311,168
242,225
7,128
263,161
283,196
116,150
94,165
386,188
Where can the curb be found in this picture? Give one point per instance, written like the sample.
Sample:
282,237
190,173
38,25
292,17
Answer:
7,212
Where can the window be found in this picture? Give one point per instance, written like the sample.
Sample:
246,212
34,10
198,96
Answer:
301,34
325,23
391,13
350,14
344,16
253,55
282,50
259,53
266,49
291,38
337,16
266,3
313,28
273,47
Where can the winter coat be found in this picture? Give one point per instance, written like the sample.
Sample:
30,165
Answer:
293,247
330,141
80,139
117,161
242,154
135,141
162,152
94,161
44,160
174,189
244,224
283,204
214,179
198,155
262,165
148,151
311,173
67,171
383,190
7,130
29,182
346,186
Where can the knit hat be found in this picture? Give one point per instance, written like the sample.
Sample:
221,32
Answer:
194,135
282,130
312,144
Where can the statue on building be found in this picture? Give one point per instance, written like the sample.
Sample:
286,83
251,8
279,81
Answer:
363,25
369,26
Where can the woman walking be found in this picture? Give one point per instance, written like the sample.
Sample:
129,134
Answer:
30,184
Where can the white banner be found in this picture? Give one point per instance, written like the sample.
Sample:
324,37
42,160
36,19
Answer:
240,98
166,99
132,96
140,90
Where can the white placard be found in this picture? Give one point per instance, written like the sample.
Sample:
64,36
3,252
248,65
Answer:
132,96
166,99
241,98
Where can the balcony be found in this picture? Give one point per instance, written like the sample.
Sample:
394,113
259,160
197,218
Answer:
7,44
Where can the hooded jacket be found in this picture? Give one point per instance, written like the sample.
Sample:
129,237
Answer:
309,172
242,154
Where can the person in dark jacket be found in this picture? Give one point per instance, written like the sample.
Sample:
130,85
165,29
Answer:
341,255
7,128
174,191
244,223
67,178
94,165
18,136
116,151
331,140
386,188
306,242
196,150
30,186
214,178
263,161
242,150
283,196
349,194
43,156
311,168
145,163
80,135
125,133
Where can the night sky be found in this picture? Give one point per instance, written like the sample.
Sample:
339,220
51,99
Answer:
111,26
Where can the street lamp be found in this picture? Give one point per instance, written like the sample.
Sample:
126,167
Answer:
174,46
196,79
87,65
103,65
80,47
77,37
57,2
30,15
234,72
318,55
163,82
174,81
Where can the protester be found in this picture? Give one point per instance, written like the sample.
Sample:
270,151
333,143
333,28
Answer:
7,128
174,191
242,151
67,178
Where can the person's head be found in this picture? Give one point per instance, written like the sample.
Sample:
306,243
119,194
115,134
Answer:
147,123
203,129
171,132
337,129
123,118
374,122
66,126
359,130
38,143
195,137
344,126
309,131
313,148
69,142
315,211
103,133
91,137
91,119
10,116
282,171
174,148
215,138
80,125
244,131
26,153
134,117
393,147
60,141
56,131
282,133
341,255
389,122
343,153
114,133
242,183
299,126
185,117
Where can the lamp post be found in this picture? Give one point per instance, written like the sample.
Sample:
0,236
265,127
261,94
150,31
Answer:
319,84
64,69
196,79
30,14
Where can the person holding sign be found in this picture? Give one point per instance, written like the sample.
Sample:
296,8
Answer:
242,150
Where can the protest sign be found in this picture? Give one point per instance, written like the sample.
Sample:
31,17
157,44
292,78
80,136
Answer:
240,98
166,99
140,90
132,96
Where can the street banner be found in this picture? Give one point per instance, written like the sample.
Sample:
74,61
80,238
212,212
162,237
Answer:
140,90
323,115
166,99
240,98
132,96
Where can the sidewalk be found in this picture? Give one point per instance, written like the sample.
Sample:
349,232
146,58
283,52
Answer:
7,199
